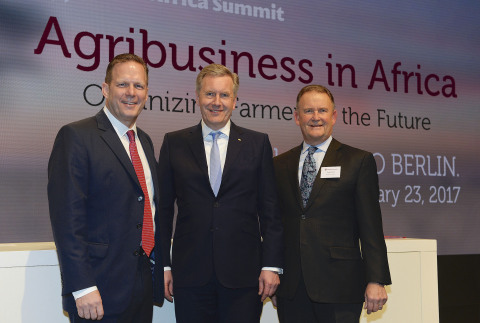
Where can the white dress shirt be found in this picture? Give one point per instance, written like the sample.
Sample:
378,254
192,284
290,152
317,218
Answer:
222,142
318,155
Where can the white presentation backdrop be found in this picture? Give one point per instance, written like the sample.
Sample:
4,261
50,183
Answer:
405,76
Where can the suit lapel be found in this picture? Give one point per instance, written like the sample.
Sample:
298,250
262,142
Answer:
330,159
292,171
111,138
235,144
197,146
152,163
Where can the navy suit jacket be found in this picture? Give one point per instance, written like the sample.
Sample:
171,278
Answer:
232,235
96,210
322,240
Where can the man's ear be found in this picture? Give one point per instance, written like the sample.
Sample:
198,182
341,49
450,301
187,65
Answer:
105,90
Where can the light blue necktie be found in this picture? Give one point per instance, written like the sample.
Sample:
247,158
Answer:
215,164
308,175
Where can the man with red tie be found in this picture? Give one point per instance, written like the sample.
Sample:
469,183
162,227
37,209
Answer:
103,197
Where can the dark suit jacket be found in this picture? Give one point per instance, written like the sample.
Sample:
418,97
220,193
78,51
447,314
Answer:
220,234
96,210
322,239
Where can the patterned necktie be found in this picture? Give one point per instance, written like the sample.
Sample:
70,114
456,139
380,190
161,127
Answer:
148,240
215,164
308,175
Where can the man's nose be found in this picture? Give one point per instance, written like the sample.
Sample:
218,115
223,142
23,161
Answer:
130,90
316,115
217,100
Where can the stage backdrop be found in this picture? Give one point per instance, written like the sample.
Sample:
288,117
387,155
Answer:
405,76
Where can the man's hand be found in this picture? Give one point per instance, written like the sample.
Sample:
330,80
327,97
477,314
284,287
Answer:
267,283
375,297
168,284
90,306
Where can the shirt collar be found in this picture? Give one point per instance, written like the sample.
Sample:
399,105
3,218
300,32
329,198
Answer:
206,130
321,147
119,127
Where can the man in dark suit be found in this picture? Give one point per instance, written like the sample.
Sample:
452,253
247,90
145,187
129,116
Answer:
103,193
335,254
227,247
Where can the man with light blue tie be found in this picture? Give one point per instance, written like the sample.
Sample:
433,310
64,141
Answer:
227,246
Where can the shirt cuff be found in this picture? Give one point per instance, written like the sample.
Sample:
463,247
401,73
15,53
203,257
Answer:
274,269
83,292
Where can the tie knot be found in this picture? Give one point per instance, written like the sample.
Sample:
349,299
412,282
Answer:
131,135
215,134
312,149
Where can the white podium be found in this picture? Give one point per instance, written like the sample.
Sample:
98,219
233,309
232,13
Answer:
30,285
413,295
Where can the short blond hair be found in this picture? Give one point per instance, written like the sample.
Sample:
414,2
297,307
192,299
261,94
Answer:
217,70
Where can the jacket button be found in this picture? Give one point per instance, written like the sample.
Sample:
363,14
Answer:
136,253
140,198
139,225
216,204
303,216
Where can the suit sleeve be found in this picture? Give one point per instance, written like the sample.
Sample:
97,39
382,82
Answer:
369,217
269,214
167,195
67,196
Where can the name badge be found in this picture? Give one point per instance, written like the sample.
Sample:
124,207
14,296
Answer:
330,172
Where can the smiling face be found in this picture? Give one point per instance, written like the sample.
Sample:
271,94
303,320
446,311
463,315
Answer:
126,94
216,100
315,115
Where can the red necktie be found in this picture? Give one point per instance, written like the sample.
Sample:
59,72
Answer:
148,240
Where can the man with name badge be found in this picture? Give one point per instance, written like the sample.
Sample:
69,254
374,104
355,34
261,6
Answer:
335,253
